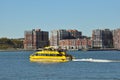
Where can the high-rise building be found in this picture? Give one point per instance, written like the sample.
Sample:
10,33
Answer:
35,39
57,35
116,38
102,38
75,33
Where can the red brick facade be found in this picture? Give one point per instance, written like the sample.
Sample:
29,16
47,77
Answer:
35,39
75,43
116,39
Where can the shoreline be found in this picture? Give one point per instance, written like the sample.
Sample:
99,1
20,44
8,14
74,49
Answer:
103,50
107,49
12,50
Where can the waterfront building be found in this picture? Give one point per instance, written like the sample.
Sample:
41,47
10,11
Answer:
57,35
35,39
116,38
75,33
75,44
102,38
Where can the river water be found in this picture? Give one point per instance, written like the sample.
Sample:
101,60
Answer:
87,65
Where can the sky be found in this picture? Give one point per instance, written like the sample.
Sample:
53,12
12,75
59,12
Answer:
17,16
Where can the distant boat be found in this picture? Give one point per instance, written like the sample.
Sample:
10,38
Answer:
49,54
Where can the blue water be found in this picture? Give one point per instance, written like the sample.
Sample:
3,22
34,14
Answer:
88,65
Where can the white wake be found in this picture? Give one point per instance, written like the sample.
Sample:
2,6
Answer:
95,60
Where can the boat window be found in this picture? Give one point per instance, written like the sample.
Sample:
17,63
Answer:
43,54
48,54
52,54
59,54
36,54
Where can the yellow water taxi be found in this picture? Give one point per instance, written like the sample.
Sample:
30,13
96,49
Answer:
49,54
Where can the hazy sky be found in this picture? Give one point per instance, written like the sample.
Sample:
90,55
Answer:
16,16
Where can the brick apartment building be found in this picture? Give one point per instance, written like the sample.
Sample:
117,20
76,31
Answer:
35,39
102,38
57,35
75,43
75,33
116,38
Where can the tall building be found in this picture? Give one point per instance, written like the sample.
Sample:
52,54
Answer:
35,39
116,38
75,33
102,38
57,35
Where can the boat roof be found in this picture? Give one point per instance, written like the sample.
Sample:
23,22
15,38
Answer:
49,52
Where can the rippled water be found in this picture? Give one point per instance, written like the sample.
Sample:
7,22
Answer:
88,65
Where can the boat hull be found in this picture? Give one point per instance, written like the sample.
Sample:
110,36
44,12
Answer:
49,59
